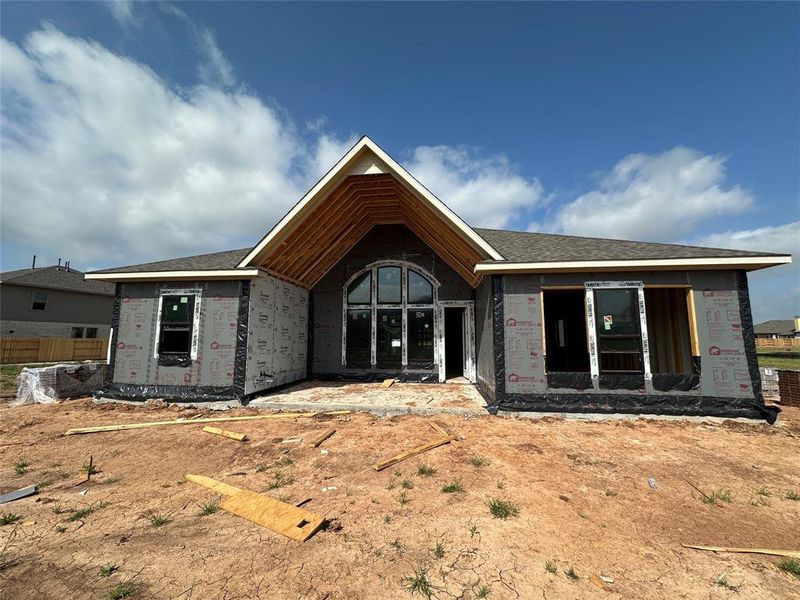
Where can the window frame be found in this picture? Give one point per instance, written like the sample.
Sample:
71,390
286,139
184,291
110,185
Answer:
180,358
403,305
33,301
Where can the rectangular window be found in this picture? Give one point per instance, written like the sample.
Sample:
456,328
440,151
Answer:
420,337
177,317
77,332
617,323
389,339
565,331
668,330
359,327
91,332
39,301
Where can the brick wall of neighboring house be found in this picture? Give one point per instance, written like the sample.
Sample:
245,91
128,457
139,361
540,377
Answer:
789,387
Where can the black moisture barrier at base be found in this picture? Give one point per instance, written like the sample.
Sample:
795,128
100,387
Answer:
172,393
371,376
682,382
639,404
574,381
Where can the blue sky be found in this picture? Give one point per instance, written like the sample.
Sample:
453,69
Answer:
129,127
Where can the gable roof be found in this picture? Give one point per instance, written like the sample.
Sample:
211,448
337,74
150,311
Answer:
380,176
776,326
56,278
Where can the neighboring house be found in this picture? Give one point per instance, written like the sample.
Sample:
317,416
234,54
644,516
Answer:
371,276
779,329
54,302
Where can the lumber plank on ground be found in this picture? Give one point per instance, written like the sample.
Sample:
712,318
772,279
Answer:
239,437
414,451
323,437
17,494
217,486
438,428
387,383
295,523
102,428
767,551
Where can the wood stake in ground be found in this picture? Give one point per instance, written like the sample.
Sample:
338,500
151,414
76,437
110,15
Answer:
323,437
767,551
293,522
101,428
418,450
239,437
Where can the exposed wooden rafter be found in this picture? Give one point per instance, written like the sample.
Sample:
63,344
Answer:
360,202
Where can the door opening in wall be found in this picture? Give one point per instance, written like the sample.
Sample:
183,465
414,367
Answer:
455,345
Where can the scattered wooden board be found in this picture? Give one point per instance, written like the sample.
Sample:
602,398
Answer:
291,521
102,428
323,437
239,437
413,452
387,383
17,494
217,486
438,428
295,523
786,553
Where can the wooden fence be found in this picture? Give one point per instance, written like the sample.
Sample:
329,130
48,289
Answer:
779,343
33,350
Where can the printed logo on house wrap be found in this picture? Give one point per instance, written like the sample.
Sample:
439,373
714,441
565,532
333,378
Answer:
717,351
514,378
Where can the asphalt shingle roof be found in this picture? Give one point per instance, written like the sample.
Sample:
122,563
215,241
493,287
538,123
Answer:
202,262
776,326
515,246
56,278
520,246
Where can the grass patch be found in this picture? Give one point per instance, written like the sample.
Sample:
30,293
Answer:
483,591
792,495
763,491
48,478
286,461
208,508
426,471
397,545
120,591
21,466
550,567
418,583
406,484
89,468
452,488
108,570
790,566
279,480
80,513
503,509
60,510
387,519
611,493
403,498
159,520
9,518
261,468
718,496
61,528
438,550
571,574
479,462
473,531
773,360
722,581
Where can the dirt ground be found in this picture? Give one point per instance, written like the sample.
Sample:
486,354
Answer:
581,488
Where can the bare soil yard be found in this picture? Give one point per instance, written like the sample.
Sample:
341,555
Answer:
585,508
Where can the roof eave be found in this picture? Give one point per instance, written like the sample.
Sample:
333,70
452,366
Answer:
217,274
748,263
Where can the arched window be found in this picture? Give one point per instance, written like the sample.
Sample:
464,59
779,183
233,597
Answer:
389,318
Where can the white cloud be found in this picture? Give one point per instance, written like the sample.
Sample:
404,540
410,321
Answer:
484,191
774,292
107,164
121,10
654,197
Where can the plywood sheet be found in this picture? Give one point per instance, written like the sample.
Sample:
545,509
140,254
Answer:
295,523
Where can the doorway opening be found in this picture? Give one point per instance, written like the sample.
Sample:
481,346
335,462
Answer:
454,344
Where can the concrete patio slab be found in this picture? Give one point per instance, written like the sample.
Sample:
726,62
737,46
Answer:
399,399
